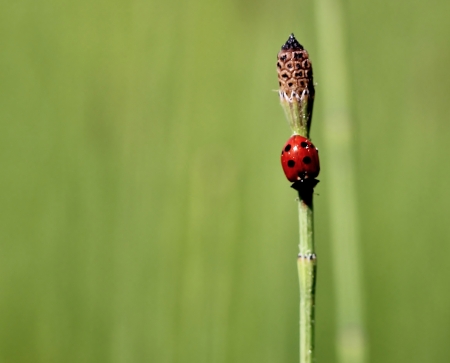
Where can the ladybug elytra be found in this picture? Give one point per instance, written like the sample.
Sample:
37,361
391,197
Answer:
300,159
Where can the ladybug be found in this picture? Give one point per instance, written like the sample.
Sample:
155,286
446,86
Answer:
300,159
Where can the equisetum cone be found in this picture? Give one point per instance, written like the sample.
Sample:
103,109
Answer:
295,78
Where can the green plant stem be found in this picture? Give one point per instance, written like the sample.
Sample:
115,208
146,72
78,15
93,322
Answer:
337,131
298,107
306,265
299,115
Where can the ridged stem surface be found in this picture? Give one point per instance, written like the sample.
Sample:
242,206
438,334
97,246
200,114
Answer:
306,265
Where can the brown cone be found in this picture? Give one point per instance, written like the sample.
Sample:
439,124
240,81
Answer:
294,69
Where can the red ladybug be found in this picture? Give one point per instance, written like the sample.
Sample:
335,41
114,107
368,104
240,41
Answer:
300,159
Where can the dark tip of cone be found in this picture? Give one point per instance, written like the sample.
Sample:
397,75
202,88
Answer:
292,44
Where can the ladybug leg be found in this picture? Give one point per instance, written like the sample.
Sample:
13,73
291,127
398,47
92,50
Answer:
305,189
305,184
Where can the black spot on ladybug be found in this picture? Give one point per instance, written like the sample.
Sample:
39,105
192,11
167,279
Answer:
287,148
305,63
298,65
283,57
291,163
298,55
278,65
289,65
284,75
299,74
312,145
304,144
302,84
290,84
307,160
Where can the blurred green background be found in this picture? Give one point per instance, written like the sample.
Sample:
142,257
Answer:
144,213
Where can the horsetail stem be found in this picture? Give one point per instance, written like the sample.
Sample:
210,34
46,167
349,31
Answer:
295,78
